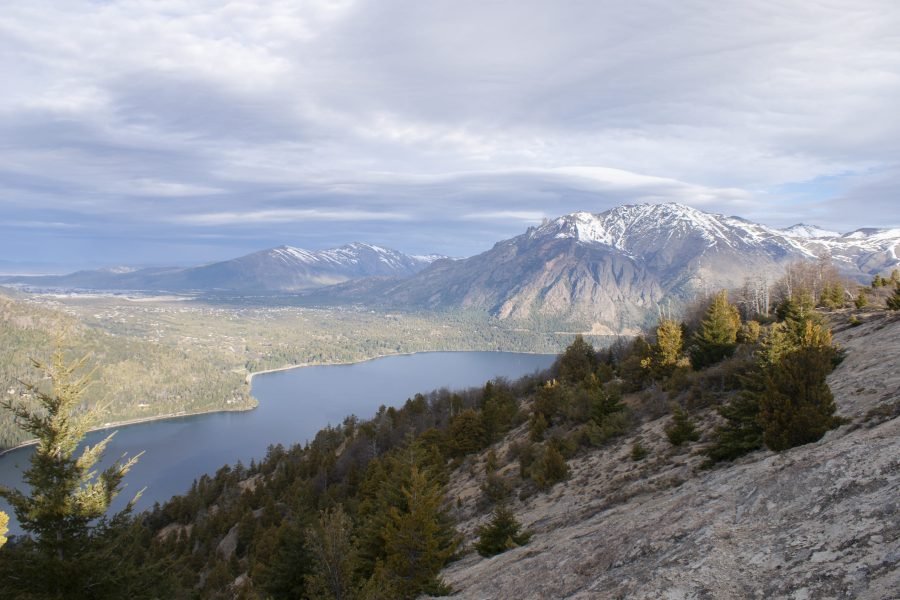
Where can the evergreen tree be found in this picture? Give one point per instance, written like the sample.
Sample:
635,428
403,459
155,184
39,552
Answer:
502,533
287,568
862,299
669,343
797,406
717,336
682,428
66,496
332,546
741,433
893,301
417,539
385,505
606,401
550,469
498,412
466,434
578,361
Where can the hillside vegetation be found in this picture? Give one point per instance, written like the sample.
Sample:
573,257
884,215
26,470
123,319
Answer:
710,458
163,356
136,378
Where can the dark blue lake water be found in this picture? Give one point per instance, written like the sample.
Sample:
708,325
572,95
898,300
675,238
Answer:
293,406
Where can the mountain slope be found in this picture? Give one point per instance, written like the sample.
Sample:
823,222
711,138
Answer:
817,521
283,269
611,270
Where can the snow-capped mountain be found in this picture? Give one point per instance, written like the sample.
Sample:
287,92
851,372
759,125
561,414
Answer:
282,269
811,232
613,269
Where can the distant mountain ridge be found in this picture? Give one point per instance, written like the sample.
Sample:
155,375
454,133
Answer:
609,271
281,269
613,269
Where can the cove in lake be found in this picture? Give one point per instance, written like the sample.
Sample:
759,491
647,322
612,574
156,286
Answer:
293,406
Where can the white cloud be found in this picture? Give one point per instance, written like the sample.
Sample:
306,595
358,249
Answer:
430,110
284,216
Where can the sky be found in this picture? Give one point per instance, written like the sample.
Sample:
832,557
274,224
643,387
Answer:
177,132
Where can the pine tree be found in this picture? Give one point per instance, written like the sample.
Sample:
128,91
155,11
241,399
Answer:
796,406
4,522
502,533
417,541
577,361
682,428
550,469
385,503
862,299
66,496
332,546
669,343
717,336
498,412
786,400
893,301
741,433
466,434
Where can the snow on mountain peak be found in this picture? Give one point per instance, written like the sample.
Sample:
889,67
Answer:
809,232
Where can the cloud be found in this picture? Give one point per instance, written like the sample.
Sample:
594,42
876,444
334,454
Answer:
159,118
284,216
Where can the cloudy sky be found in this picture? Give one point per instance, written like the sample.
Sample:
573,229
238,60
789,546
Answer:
184,131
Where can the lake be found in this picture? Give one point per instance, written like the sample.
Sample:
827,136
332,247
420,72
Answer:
293,406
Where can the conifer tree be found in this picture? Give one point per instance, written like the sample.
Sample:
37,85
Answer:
332,546
498,412
466,434
862,299
893,301
578,360
406,474
502,533
682,428
717,336
669,343
417,541
66,495
4,522
741,433
550,469
796,406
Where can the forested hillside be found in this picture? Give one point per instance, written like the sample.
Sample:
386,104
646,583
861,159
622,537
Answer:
136,378
159,356
377,508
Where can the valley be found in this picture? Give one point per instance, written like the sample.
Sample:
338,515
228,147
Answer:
177,355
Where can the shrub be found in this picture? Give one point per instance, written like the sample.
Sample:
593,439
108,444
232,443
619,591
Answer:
682,428
502,533
638,451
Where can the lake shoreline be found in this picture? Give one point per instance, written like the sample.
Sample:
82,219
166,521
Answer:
139,421
250,376
249,381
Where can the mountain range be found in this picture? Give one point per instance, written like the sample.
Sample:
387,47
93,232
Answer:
610,270
281,269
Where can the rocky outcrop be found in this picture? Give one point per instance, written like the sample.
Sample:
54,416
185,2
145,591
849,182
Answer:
818,521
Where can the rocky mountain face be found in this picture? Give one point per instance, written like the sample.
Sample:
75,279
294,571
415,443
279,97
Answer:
613,270
817,521
282,269
608,273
